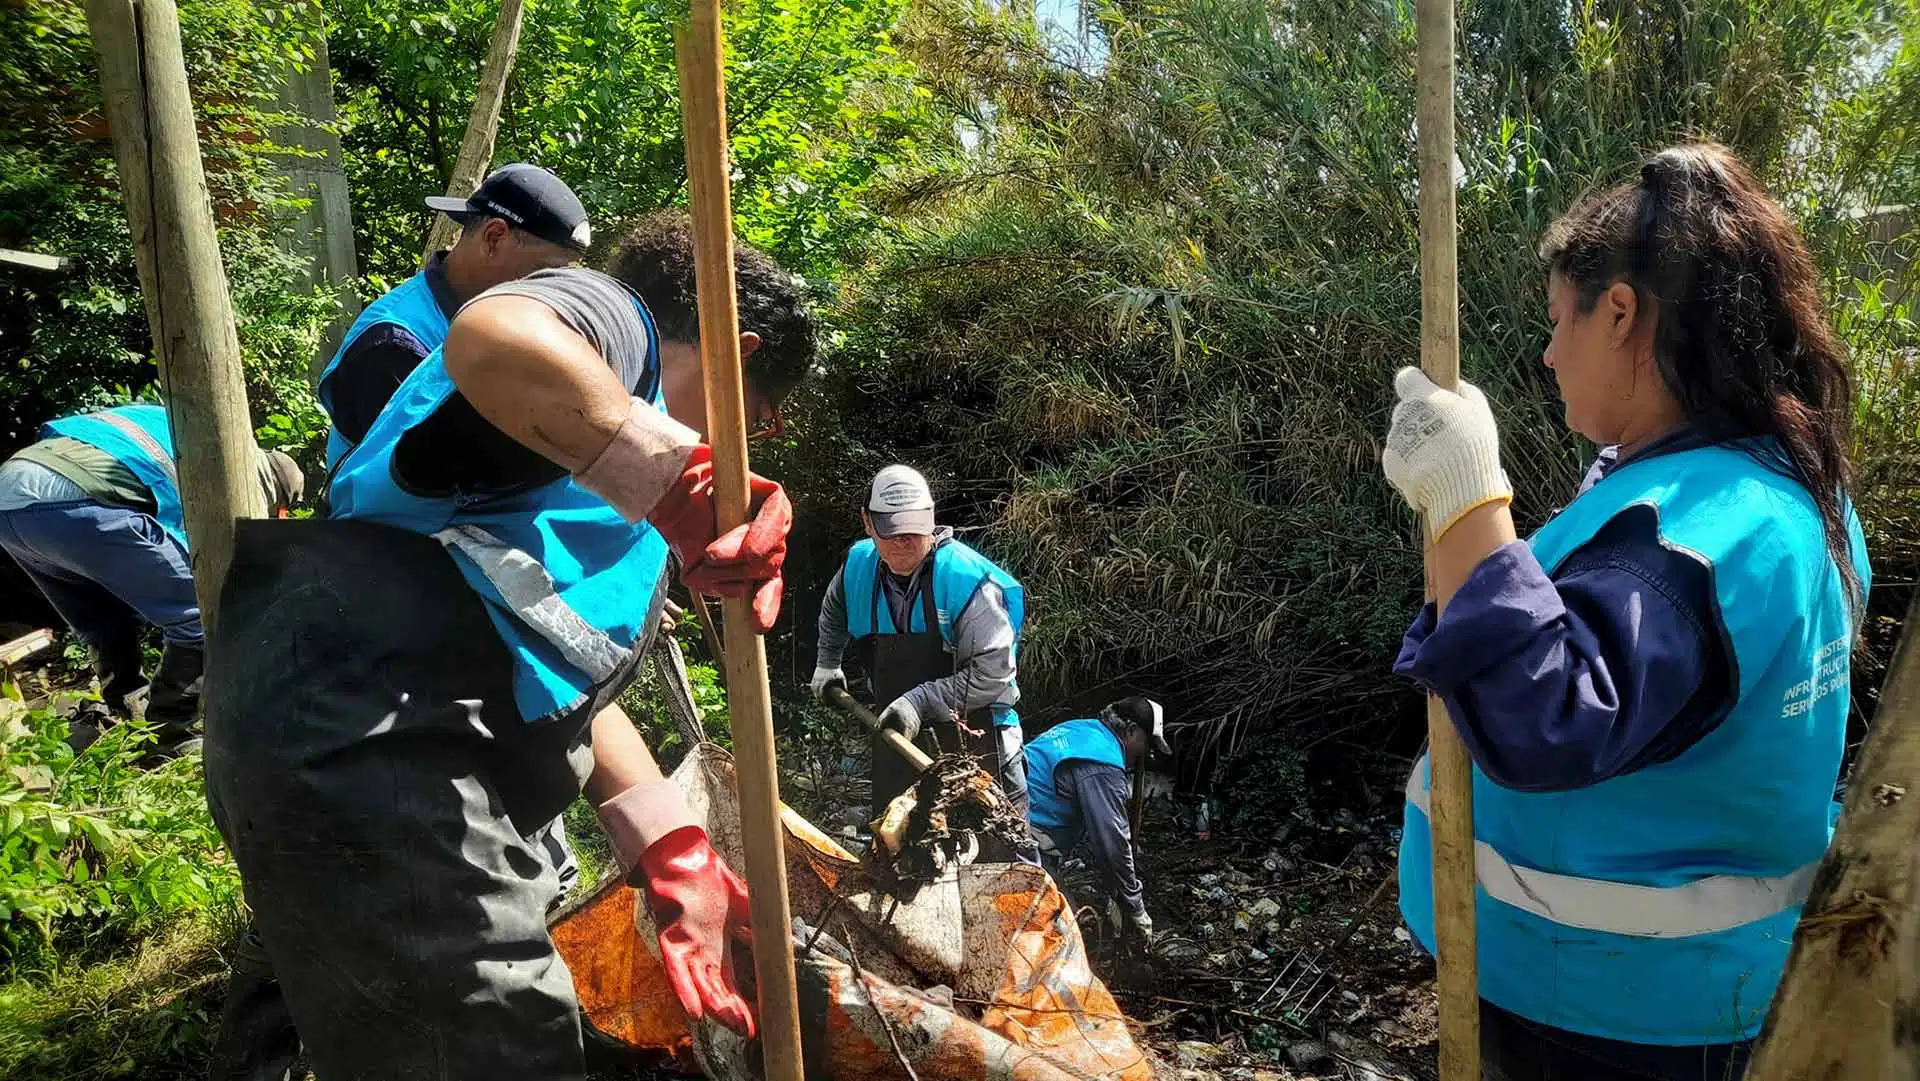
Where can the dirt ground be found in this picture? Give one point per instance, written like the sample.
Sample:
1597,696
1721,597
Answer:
1299,965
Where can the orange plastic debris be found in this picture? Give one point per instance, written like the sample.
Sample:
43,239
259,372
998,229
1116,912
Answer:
999,938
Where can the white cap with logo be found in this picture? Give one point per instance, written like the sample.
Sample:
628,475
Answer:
900,503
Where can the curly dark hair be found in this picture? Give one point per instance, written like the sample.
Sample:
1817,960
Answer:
1741,337
655,260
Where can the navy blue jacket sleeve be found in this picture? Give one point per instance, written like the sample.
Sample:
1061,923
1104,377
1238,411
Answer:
1102,792
372,368
1615,663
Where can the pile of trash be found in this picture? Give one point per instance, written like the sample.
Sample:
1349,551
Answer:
980,973
950,816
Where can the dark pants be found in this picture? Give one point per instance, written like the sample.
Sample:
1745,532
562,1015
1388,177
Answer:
109,571
379,792
1513,1048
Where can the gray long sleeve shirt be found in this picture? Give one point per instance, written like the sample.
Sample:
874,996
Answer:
1098,794
983,641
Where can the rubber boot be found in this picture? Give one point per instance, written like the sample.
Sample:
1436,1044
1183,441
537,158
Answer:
257,1040
116,661
173,704
116,664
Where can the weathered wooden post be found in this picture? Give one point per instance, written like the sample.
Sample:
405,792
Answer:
483,123
1848,1004
150,114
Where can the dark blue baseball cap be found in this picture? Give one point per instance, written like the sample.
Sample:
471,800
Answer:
528,198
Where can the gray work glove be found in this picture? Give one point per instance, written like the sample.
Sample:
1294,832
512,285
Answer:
1128,924
824,678
902,717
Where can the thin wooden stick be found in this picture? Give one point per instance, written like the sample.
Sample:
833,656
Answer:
698,46
483,122
1451,816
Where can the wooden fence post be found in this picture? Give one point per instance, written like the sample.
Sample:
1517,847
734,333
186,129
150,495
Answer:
150,114
1849,1000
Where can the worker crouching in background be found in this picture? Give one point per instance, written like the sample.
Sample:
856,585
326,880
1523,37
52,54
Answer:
92,514
1079,780
1653,687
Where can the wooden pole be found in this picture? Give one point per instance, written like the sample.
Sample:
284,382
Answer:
1847,1003
150,114
483,123
1451,814
698,47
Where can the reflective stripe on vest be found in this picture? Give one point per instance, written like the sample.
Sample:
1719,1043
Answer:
146,443
1703,907
529,590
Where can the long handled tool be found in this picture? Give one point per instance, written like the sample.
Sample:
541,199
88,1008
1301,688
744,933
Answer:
838,698
1451,807
697,47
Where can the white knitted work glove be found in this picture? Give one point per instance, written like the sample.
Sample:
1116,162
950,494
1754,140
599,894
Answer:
823,678
1443,450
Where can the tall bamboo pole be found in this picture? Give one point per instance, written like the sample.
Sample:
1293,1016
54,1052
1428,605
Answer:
1451,805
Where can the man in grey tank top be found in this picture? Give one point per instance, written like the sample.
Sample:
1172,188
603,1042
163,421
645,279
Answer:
426,954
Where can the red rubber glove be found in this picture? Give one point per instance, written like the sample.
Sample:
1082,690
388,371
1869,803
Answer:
746,561
698,905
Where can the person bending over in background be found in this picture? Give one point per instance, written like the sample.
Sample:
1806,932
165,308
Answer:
1079,780
92,514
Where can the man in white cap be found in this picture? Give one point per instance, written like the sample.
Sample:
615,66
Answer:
1077,773
942,626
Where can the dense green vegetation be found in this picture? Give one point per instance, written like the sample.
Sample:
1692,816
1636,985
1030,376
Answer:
1132,306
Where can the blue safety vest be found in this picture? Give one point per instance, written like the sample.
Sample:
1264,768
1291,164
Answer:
138,437
958,574
567,581
409,305
1087,739
1658,907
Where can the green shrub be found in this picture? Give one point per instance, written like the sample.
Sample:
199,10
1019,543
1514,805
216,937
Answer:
1141,329
95,850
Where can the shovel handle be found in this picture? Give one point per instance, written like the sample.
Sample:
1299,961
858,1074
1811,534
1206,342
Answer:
838,698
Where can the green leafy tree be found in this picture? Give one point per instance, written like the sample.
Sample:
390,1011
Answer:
819,103
1140,322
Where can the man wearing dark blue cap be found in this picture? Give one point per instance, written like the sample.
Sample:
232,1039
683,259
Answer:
521,219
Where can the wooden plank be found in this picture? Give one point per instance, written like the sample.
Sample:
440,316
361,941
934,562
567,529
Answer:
25,646
698,49
33,260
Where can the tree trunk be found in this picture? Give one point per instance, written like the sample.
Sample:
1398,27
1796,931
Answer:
178,256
